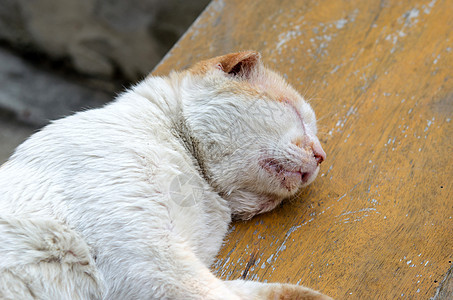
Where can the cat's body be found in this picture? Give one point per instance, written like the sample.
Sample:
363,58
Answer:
133,200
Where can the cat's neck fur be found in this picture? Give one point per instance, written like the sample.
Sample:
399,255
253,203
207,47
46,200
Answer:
156,91
182,131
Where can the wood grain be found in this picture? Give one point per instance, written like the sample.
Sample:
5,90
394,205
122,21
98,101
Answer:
378,221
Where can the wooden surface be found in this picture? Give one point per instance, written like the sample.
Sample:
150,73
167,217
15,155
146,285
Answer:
378,221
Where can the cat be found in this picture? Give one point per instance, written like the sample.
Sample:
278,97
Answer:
133,200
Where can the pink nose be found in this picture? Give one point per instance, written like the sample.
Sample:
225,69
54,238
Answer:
318,152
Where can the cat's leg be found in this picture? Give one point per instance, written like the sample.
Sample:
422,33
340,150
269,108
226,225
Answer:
258,290
46,260
169,269
43,259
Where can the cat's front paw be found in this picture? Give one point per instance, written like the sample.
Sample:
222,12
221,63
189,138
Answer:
273,291
292,292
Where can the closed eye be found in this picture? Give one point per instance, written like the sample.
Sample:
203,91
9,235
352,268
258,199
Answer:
296,111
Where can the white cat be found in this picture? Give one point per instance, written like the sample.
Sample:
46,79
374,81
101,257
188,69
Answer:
133,200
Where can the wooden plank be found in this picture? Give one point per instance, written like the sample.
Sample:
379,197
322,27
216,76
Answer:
445,290
378,221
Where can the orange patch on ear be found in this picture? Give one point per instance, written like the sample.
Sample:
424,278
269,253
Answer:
235,62
229,63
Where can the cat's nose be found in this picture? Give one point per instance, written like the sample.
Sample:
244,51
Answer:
315,146
318,152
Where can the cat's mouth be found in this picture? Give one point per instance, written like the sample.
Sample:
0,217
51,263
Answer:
290,178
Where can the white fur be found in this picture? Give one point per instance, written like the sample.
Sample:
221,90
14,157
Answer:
89,209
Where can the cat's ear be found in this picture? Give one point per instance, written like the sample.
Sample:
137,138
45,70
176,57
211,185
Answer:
238,64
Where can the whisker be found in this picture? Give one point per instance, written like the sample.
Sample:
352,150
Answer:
325,116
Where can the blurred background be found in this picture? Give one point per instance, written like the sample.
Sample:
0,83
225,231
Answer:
62,56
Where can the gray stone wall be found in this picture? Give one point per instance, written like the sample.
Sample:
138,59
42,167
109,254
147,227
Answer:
99,37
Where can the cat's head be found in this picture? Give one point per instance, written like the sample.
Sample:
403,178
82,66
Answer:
255,133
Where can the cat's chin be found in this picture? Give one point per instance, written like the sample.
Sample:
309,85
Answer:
310,177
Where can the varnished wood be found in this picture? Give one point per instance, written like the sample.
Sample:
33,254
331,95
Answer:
378,221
